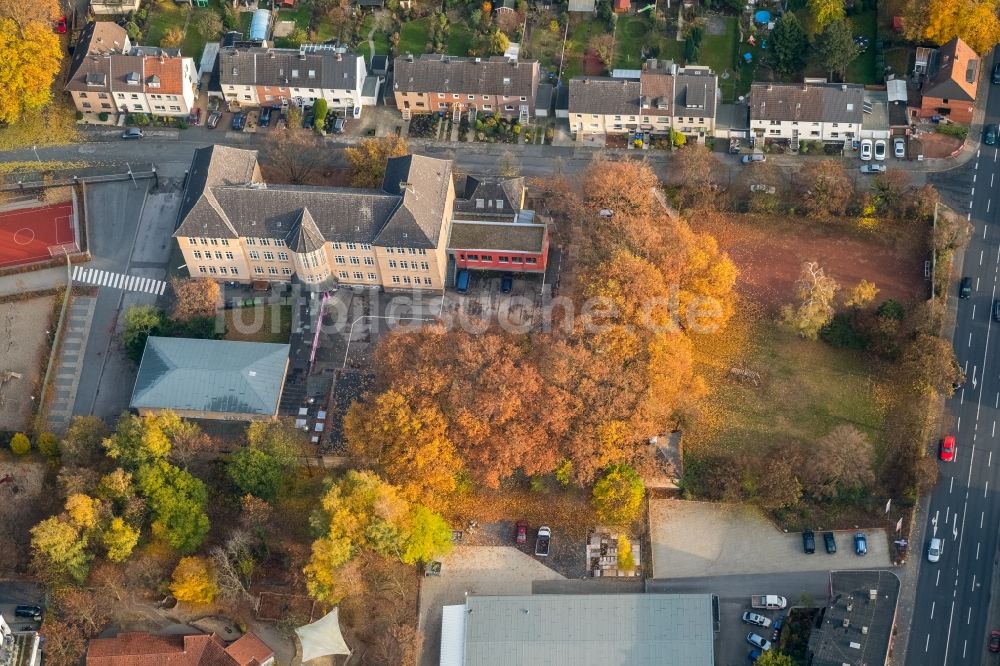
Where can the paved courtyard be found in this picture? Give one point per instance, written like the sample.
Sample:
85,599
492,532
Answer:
692,539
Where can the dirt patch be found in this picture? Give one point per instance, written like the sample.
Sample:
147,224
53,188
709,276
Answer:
22,504
769,253
939,145
592,63
24,327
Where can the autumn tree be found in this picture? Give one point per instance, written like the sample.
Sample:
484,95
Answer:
824,12
923,202
774,658
939,21
119,539
407,443
20,444
827,189
617,496
861,295
835,48
604,46
172,38
194,581
138,440
367,160
789,45
81,445
815,291
89,609
83,511
697,190
928,365
59,550
234,565
263,466
626,558
509,166
891,188
194,298
48,444
30,56
839,461
140,322
65,643
24,14
298,155
208,23
625,188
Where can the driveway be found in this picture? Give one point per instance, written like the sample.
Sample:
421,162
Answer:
707,539
481,570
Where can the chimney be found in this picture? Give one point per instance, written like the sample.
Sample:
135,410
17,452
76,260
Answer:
339,57
843,87
769,87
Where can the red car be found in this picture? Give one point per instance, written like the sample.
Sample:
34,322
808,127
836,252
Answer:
995,641
522,531
948,448
60,26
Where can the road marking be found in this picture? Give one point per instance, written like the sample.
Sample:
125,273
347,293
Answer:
958,423
993,434
965,644
973,588
973,194
947,641
986,488
987,210
977,282
938,580
974,175
981,257
947,511
968,484
974,308
950,487
961,397
927,643
982,517
932,609
968,620
977,550
970,338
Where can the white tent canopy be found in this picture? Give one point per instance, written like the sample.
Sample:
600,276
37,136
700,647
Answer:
322,637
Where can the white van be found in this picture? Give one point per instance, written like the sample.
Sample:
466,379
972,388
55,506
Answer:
934,550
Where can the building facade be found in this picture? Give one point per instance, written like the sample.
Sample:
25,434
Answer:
828,112
432,83
951,78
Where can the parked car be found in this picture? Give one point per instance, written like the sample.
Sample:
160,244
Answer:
133,133
60,26
753,157
521,534
265,117
872,168
507,283
990,133
965,288
948,447
768,601
239,121
866,149
308,121
996,73
462,281
606,213
996,309
542,541
995,641
756,619
761,187
339,124
29,611
754,655
830,542
758,641
213,120
860,544
880,149
934,549
808,541
899,147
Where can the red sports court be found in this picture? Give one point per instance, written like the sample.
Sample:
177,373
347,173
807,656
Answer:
28,235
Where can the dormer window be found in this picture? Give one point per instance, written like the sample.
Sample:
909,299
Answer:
295,73
312,73
154,81
506,80
132,78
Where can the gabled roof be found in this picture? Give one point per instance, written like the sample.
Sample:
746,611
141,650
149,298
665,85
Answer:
142,649
433,72
489,189
694,92
304,236
291,68
211,167
244,378
424,184
604,96
953,72
807,102
164,75
90,69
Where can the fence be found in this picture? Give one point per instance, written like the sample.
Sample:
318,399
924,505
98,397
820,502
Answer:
24,180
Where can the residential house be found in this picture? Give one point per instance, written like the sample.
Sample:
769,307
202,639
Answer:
234,226
793,112
109,75
19,647
113,7
434,82
258,76
950,82
899,118
656,99
488,198
141,648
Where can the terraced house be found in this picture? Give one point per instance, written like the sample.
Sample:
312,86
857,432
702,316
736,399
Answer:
433,82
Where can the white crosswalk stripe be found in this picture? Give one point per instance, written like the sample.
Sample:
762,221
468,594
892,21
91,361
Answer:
121,281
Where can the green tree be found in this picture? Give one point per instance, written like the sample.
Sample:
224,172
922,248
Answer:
255,472
789,45
20,444
119,539
177,500
618,495
59,550
320,109
774,658
427,535
824,12
835,47
48,444
141,321
139,440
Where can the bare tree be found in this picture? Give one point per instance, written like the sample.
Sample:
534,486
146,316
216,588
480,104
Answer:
841,460
827,189
815,291
234,565
297,154
86,608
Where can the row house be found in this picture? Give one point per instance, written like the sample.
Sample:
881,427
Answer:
793,112
662,98
110,75
260,76
433,83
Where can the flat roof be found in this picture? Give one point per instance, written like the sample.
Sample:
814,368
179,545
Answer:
500,236
866,602
590,630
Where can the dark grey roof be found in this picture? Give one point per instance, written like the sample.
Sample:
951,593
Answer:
952,72
694,93
90,69
898,116
304,236
869,621
603,96
370,87
489,189
424,184
199,214
154,51
290,68
447,74
210,376
543,100
807,102
562,96
380,64
500,236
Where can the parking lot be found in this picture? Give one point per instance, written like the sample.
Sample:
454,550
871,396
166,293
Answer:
706,539
518,309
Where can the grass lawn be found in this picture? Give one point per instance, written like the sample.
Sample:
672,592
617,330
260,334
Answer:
300,14
459,40
581,29
413,36
164,14
632,34
245,19
719,53
899,59
258,325
862,69
544,45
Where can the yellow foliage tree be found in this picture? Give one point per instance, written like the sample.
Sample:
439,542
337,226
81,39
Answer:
626,559
172,37
194,581
83,510
25,13
823,12
861,295
367,160
974,21
29,60
120,539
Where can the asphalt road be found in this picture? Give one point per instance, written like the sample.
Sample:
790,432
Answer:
950,615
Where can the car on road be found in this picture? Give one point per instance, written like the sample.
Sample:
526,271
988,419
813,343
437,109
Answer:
880,149
758,641
872,168
28,611
521,534
866,149
860,544
753,157
830,542
756,619
996,73
133,133
934,550
239,121
213,120
761,187
990,135
808,541
507,283
965,288
899,147
995,641
947,453
996,309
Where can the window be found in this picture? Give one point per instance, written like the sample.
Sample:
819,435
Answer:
336,246
202,269
404,265
86,105
516,260
213,241
286,271
83,95
218,255
412,250
524,99
369,261
279,242
269,256
197,254
371,276
251,241
223,270
395,279
343,275
389,250
392,263
225,242
366,247
503,260
427,281
422,251
258,270
442,105
356,261
229,256
499,204
283,256
211,270
232,269
487,107
340,259
406,279
472,97
455,96
487,257
480,203
272,270
473,257
265,241
352,246
508,107
425,266
358,275
531,260
254,255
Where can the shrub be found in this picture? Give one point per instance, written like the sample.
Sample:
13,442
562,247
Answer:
194,580
840,332
48,444
103,116
618,495
20,444
320,109
79,115
182,124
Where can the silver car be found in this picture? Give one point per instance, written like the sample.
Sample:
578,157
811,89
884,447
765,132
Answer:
758,641
756,619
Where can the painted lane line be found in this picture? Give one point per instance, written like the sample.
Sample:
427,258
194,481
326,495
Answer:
973,588
947,642
992,434
968,483
986,489
974,310
987,210
970,201
982,517
927,643
974,175
937,581
981,252
947,514
961,397
958,423
951,487
965,644
968,620
977,283
932,609
977,550
970,338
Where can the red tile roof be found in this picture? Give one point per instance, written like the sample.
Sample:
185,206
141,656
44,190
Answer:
249,650
168,71
143,649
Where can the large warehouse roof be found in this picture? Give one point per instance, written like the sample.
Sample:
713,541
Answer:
590,630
